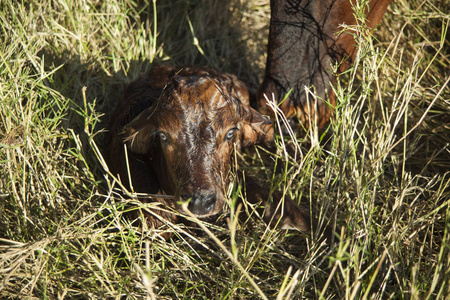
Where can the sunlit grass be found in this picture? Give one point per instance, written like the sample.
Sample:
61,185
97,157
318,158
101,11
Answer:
381,178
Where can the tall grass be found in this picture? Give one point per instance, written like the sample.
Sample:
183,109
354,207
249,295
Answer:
382,178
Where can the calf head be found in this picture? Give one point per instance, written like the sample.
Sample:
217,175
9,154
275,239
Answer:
188,136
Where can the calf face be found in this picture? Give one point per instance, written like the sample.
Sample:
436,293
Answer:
184,139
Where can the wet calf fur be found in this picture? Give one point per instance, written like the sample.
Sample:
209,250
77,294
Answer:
178,129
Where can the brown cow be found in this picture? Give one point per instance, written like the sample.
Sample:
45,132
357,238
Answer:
303,43
179,128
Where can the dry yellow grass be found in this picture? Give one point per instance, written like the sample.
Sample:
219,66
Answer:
383,177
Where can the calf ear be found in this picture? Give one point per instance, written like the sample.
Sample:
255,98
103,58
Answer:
256,129
139,133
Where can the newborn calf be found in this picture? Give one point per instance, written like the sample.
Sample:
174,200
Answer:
177,128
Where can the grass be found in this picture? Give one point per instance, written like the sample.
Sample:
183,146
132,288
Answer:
383,177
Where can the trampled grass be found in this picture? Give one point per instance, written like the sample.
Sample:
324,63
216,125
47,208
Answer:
382,177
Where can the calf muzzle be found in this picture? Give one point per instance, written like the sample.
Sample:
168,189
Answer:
201,204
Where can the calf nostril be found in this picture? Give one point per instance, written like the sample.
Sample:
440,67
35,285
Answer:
201,204
209,202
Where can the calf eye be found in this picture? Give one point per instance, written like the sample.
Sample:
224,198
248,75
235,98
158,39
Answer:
162,136
230,134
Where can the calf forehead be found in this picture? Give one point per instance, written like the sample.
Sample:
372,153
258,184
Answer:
201,92
197,101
